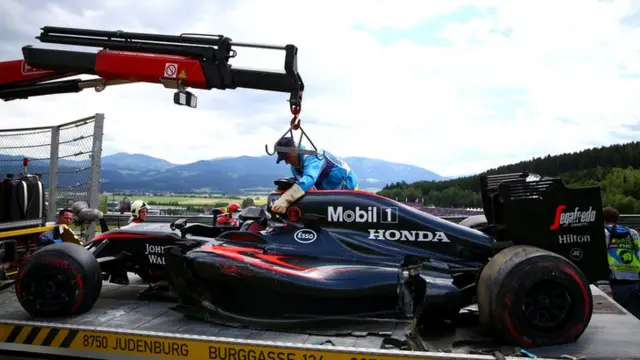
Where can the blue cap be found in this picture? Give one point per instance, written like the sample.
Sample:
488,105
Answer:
284,142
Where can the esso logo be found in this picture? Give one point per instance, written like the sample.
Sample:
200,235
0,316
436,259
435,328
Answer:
305,236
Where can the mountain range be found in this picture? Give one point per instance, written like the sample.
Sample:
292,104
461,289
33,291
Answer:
144,173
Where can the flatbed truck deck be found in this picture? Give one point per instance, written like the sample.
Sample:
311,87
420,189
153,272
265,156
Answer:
123,326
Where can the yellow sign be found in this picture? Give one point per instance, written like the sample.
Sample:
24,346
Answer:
182,75
166,348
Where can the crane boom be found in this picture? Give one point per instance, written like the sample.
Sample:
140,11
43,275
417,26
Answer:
198,61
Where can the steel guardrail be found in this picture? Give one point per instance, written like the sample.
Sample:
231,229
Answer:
630,220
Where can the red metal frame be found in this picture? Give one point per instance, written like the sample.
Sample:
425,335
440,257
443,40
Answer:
177,62
18,72
110,65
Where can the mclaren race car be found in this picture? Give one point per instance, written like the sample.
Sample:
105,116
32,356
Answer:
351,255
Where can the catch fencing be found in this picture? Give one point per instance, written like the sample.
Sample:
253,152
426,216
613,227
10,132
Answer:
66,157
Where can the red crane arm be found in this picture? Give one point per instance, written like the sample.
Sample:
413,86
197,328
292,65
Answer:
178,62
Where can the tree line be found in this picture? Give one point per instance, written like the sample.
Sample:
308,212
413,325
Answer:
616,169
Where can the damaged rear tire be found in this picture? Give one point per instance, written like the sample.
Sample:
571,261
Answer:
531,297
59,280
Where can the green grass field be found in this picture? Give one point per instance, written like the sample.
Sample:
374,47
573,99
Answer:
185,200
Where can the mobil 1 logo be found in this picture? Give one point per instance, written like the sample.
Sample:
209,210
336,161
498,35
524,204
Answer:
369,214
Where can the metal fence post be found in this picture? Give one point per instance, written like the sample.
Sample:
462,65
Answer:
94,176
53,174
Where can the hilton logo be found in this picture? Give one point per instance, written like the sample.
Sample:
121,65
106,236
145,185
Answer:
572,239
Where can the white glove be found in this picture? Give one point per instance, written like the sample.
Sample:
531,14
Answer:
291,195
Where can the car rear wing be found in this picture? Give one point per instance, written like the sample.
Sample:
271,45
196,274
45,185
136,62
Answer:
524,209
489,193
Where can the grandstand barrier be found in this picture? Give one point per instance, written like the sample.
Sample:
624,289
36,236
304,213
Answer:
116,220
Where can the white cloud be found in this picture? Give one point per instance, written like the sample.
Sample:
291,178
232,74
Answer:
529,78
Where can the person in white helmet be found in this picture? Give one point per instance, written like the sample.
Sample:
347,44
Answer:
139,209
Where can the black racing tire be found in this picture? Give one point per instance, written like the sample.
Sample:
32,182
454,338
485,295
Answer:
522,282
61,279
474,221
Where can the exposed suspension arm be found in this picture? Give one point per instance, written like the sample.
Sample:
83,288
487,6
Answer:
178,62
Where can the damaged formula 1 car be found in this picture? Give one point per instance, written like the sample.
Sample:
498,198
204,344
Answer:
355,255
336,254
352,254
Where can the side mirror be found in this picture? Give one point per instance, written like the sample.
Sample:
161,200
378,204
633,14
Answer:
185,98
178,224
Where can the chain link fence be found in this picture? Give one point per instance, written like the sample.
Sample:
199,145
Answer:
65,156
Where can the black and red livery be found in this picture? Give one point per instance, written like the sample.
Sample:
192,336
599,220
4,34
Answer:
354,254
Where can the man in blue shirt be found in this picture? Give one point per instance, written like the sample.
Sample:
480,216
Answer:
65,217
323,171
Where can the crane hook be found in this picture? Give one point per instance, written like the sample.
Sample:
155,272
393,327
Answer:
294,124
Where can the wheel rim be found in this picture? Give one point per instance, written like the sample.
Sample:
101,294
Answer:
49,290
547,305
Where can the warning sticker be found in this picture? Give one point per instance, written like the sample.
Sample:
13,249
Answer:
27,70
111,345
183,74
170,70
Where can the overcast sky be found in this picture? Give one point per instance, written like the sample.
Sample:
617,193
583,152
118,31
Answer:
454,86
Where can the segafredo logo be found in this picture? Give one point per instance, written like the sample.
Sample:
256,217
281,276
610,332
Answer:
575,218
408,235
358,215
305,236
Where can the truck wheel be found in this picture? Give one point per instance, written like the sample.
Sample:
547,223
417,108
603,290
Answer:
531,297
474,221
59,280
